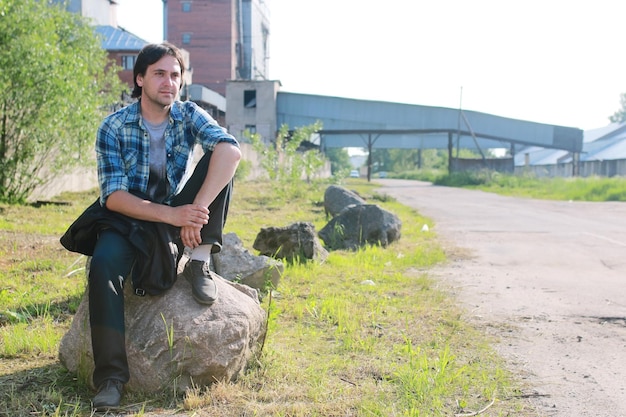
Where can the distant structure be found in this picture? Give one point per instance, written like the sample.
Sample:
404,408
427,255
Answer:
122,46
101,12
603,154
253,108
226,39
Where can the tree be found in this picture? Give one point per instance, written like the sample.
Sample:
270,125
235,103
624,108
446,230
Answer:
339,161
56,86
402,160
620,115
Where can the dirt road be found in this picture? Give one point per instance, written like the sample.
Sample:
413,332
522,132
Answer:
547,278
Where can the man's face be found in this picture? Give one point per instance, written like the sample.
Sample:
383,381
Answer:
161,82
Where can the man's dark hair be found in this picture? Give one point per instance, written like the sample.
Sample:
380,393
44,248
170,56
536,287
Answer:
150,54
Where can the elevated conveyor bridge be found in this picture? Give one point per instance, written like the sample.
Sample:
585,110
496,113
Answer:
384,125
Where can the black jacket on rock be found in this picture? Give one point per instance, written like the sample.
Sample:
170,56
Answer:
157,245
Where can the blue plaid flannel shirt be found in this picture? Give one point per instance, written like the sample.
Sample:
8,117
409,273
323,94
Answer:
123,145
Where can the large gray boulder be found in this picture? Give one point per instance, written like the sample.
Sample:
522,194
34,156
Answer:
236,263
337,198
360,225
174,342
296,242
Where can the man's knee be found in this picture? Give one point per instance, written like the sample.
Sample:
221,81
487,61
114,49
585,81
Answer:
112,261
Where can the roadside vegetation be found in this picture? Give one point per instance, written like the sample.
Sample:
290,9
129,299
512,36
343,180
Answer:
564,189
433,167
366,333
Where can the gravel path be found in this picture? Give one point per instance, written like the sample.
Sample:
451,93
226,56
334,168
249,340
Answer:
548,279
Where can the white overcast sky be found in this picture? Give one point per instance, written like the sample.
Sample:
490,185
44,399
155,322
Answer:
552,61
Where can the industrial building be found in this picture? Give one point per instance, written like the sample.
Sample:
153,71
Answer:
228,48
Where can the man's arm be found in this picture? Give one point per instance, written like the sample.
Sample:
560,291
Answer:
190,217
224,161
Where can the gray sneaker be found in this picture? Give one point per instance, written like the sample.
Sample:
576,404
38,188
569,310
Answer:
203,286
108,397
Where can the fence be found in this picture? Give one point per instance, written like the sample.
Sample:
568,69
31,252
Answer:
606,168
492,164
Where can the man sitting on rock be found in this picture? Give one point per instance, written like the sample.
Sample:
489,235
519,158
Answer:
144,154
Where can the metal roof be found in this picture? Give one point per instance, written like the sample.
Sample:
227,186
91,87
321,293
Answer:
119,39
604,143
200,93
351,123
598,133
539,156
613,147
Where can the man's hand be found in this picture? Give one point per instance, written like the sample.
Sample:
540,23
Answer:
190,218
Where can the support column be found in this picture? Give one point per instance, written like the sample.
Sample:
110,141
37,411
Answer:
450,148
369,157
576,164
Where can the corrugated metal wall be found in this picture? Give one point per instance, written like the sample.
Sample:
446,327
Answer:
606,168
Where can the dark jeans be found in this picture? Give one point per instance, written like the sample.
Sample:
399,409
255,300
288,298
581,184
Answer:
112,262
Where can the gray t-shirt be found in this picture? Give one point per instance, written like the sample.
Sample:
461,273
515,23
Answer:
158,186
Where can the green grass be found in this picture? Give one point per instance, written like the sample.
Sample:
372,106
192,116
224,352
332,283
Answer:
529,186
565,189
365,333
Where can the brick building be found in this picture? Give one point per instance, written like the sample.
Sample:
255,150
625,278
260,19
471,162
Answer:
222,41
226,39
122,47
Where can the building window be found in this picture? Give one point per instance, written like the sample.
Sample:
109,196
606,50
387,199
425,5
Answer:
249,98
128,61
186,6
186,38
251,129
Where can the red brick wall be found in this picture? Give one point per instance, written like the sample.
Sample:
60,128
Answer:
126,76
213,28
